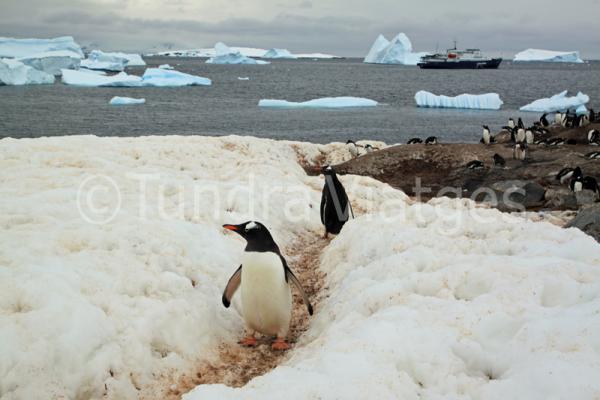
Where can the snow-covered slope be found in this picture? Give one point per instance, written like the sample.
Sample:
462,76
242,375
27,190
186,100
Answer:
488,101
397,51
17,48
13,72
548,56
558,102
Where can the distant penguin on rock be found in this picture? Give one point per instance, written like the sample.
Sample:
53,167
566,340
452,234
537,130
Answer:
528,136
594,155
264,278
335,206
414,141
511,123
556,141
520,137
558,118
499,160
368,148
544,120
352,148
520,151
567,173
594,137
520,124
576,182
486,137
475,164
431,140
590,183
592,116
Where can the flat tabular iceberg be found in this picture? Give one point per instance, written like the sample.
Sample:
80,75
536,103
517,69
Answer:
52,62
245,51
326,102
488,101
152,77
397,51
98,60
226,55
548,56
17,48
279,53
558,102
13,72
125,101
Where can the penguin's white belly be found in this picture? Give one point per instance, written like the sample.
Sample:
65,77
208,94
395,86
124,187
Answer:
266,296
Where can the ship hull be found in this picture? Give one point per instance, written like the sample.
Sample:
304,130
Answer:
463,64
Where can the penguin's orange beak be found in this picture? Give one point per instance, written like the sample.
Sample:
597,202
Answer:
234,228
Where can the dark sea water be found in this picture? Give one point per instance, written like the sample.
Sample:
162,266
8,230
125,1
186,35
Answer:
229,106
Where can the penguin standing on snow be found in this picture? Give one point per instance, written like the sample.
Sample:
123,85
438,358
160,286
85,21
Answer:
335,206
352,148
264,277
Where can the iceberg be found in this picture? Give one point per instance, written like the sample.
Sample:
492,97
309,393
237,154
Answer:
18,48
325,102
125,101
548,56
14,72
581,110
52,62
245,51
153,77
397,51
165,66
226,55
558,102
169,78
99,60
488,101
133,60
279,53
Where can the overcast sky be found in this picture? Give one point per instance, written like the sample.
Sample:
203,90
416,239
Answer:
343,27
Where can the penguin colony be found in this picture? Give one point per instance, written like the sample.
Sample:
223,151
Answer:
264,277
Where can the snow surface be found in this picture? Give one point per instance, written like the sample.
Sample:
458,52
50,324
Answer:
152,77
488,101
558,102
325,102
279,53
439,300
227,55
53,61
548,56
13,72
17,48
125,101
397,51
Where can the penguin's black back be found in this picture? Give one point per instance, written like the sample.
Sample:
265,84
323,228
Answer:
334,204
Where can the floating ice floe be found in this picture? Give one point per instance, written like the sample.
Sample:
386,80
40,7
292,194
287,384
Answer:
226,55
165,66
326,102
152,77
13,72
279,53
243,78
18,48
558,102
397,51
125,101
548,56
53,61
488,101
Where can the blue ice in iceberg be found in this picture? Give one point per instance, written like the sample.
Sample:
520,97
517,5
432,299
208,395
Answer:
558,102
488,101
125,101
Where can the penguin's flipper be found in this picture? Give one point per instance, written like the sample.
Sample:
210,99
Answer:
289,276
232,286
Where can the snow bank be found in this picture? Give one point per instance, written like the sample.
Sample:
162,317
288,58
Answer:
279,53
18,48
226,55
547,56
558,102
152,77
125,101
52,62
419,310
325,102
488,101
13,72
397,51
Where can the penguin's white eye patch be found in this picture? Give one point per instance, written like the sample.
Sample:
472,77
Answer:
251,225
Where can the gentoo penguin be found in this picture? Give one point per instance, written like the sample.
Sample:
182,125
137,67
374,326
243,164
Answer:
335,206
528,136
594,137
541,141
368,148
511,123
520,137
499,160
520,124
475,164
431,140
264,277
592,116
486,136
567,173
593,155
520,151
544,120
414,141
352,148
556,141
590,183
576,183
558,118
571,141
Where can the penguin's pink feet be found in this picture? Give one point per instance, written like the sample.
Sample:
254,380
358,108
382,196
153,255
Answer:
280,344
249,341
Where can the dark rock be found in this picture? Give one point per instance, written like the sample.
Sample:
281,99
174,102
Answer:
588,220
512,195
586,197
560,198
